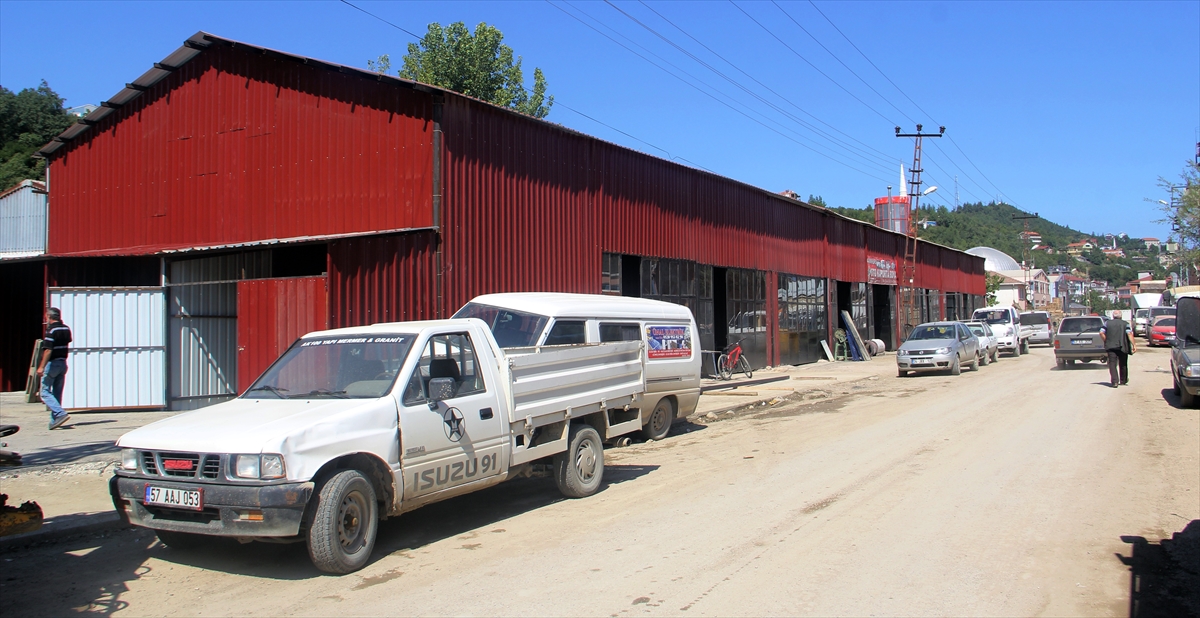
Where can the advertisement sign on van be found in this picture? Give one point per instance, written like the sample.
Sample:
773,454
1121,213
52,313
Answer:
668,342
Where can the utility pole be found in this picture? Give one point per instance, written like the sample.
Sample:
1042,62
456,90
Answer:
908,273
1026,258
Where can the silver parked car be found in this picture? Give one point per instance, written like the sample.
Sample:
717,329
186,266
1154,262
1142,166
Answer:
939,346
988,345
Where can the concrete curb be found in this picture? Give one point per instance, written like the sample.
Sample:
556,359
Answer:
62,527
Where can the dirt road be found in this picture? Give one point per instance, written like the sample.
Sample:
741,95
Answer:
1000,492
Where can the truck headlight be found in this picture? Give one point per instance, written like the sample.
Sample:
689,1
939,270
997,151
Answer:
129,460
247,466
259,466
942,351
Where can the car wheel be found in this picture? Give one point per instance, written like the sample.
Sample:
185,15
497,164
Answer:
1186,399
974,366
1025,347
902,373
955,367
995,355
985,359
659,424
1175,388
1062,364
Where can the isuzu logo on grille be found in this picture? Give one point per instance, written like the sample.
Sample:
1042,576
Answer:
178,464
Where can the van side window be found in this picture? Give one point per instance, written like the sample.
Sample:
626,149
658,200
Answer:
567,332
446,356
620,332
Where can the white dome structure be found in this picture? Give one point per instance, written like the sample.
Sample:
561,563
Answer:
994,259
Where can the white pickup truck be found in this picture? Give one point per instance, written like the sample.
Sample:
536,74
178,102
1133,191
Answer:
1011,334
351,426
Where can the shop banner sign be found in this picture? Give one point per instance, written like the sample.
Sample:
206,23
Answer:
669,342
881,271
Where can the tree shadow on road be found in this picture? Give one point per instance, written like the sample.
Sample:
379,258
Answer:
1164,577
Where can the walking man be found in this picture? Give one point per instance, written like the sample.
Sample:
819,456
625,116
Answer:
1118,342
52,368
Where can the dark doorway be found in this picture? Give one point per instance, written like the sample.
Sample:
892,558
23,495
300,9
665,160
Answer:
631,275
720,311
882,299
843,303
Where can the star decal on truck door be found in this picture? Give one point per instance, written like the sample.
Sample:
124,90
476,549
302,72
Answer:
454,424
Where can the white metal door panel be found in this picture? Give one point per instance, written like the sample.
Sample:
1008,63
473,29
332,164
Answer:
118,356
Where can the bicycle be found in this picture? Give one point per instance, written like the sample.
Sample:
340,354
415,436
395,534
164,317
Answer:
733,361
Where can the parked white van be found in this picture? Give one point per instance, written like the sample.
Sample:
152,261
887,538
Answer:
671,354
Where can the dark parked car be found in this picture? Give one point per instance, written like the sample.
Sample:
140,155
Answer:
1185,352
1078,339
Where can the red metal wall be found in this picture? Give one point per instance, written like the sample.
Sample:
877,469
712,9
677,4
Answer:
388,278
238,146
273,313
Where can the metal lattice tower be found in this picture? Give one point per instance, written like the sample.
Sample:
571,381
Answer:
909,315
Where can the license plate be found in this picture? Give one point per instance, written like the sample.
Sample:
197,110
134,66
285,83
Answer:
922,361
175,498
1081,342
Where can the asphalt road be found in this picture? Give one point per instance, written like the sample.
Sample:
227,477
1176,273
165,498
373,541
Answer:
1015,490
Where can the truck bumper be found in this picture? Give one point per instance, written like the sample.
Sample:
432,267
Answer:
228,510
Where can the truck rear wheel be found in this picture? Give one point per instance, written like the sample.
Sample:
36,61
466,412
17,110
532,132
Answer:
580,469
344,524
180,540
659,423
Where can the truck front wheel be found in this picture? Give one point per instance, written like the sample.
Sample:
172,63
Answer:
580,469
344,524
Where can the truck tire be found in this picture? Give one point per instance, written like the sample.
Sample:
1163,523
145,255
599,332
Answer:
580,469
1025,346
345,520
955,367
659,423
181,540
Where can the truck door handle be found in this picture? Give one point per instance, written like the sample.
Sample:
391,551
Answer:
485,414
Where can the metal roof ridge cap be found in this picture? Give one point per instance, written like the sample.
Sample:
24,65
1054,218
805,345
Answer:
199,36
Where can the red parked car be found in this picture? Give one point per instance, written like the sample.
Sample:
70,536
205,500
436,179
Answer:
1163,331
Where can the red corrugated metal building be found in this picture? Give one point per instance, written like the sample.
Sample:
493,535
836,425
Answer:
372,199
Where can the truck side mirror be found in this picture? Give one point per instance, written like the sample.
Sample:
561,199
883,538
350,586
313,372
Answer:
440,389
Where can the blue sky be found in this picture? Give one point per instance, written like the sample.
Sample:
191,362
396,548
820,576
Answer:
1069,109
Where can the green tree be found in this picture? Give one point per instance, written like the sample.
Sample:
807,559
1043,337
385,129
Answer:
28,119
817,200
1184,215
992,285
478,65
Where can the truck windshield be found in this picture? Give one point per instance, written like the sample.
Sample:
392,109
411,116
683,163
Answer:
992,317
355,367
511,329
1078,326
1156,312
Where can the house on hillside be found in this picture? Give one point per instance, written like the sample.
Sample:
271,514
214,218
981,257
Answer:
1152,243
1077,248
1116,253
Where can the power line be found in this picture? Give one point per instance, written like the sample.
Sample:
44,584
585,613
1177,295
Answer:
357,8
700,90
798,55
882,154
835,57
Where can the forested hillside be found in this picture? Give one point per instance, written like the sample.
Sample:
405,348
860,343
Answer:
993,225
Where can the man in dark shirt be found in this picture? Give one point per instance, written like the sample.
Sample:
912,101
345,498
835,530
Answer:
52,368
1118,342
